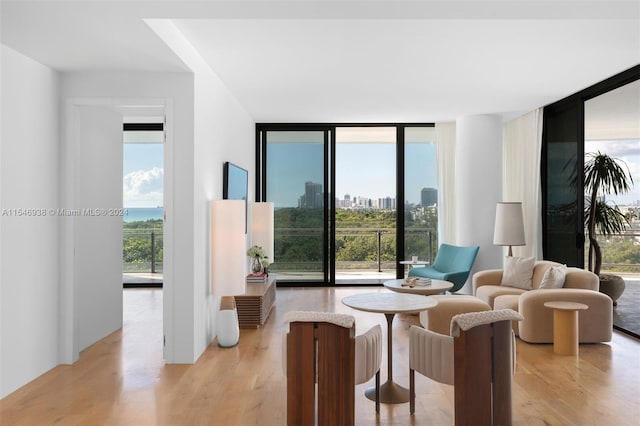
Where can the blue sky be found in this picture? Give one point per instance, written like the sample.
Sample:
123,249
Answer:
370,170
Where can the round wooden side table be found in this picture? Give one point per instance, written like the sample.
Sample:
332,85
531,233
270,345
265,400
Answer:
565,326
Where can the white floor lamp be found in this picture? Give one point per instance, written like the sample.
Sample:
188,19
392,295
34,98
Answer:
228,262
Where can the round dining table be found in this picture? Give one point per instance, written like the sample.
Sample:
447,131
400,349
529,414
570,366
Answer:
389,304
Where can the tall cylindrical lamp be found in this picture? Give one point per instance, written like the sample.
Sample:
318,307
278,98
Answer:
262,227
228,258
509,225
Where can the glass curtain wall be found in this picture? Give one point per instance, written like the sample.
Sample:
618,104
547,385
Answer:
612,127
420,194
365,204
335,189
295,183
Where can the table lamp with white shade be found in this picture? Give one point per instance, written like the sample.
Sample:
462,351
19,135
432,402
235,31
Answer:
228,263
262,227
509,225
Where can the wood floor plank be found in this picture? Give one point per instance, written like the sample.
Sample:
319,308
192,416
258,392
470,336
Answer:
122,379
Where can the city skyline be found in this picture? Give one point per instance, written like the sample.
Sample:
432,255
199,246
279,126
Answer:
361,168
313,197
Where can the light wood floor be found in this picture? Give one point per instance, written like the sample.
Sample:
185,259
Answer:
122,379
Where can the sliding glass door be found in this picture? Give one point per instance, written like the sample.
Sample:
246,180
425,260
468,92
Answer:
563,147
295,165
365,211
335,190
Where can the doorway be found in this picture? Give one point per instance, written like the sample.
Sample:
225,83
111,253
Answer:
92,294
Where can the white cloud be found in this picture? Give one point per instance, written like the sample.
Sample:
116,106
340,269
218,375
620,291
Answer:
143,188
629,152
617,148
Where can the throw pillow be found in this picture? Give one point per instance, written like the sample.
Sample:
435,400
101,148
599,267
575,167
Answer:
518,272
554,277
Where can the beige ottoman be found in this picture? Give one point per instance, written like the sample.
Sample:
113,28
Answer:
438,319
508,301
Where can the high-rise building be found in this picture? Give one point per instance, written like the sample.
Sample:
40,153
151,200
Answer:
313,198
428,197
387,203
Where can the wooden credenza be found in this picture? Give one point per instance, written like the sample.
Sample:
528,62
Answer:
254,306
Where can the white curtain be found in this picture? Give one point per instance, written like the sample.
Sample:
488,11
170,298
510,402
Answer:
522,143
445,153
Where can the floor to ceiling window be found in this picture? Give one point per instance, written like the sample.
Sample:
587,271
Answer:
295,182
563,150
365,211
604,117
420,193
335,189
143,200
612,127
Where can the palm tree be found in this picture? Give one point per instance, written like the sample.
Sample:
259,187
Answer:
603,175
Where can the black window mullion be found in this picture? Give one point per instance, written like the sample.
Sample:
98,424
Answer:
400,130
326,208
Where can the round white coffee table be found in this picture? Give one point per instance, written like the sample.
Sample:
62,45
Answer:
434,287
389,304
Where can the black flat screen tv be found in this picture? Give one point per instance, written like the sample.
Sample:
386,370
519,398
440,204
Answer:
235,181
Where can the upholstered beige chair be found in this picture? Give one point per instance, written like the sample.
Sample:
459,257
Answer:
478,359
368,358
320,347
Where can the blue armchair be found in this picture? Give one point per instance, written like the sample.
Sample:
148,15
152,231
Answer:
452,263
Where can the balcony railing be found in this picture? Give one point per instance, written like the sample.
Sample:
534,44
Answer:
362,249
620,252
142,250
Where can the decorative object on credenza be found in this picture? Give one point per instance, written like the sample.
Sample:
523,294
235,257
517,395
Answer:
259,259
509,225
257,277
228,265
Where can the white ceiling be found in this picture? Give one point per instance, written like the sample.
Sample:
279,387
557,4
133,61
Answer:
349,61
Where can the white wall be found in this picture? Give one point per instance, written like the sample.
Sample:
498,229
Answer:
223,132
478,186
29,254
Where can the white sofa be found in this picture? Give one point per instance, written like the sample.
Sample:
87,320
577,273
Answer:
595,323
